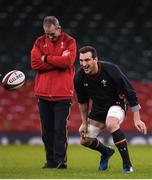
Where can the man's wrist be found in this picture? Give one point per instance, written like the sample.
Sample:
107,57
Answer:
136,108
45,58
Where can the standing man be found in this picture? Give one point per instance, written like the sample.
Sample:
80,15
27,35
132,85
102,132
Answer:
52,57
111,93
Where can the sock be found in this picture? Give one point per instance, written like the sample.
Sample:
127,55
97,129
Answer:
121,143
98,146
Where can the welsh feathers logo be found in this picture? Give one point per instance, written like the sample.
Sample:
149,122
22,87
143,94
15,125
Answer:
104,82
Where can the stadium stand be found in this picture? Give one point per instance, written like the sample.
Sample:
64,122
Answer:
120,30
19,111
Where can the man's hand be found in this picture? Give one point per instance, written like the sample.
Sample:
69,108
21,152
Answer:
83,129
42,58
140,125
66,53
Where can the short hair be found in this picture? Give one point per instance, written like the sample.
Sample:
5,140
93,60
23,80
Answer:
86,49
49,20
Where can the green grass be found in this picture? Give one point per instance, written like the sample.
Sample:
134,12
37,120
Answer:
25,162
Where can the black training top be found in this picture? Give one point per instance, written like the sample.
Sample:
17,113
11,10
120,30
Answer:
109,87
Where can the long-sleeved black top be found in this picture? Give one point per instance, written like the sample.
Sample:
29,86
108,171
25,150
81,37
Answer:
108,87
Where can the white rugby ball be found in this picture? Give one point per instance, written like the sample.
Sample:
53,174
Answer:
13,80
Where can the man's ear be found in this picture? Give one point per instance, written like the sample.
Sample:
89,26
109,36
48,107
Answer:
96,59
59,27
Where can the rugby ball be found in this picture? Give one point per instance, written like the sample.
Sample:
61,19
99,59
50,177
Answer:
13,80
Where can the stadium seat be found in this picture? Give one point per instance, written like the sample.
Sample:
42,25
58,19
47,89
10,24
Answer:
19,111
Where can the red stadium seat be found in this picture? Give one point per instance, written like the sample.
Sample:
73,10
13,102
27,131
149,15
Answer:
19,111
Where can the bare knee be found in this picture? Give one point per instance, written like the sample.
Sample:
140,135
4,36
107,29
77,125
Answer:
112,124
85,141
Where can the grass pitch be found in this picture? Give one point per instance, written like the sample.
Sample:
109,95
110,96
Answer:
26,161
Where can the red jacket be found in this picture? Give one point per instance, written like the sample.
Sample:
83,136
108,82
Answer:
54,78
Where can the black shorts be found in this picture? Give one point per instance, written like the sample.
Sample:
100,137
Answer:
99,113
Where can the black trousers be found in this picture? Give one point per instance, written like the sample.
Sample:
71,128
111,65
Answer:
54,117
